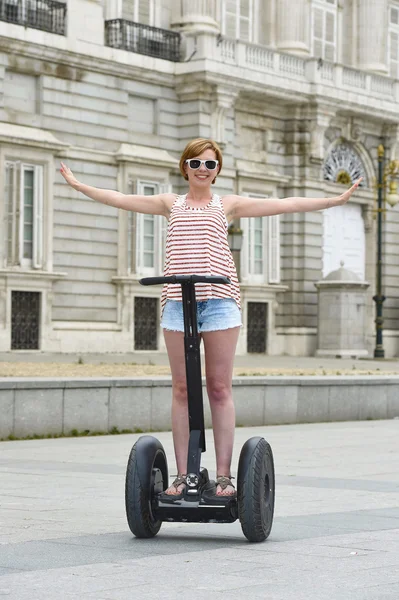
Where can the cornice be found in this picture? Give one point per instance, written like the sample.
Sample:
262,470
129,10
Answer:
60,61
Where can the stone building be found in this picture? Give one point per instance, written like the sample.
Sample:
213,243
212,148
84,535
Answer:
298,94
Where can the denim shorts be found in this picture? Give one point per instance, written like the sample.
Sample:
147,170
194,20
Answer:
212,315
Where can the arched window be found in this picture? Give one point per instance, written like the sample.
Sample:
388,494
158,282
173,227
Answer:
344,165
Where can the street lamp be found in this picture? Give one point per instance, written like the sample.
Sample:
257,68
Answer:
385,173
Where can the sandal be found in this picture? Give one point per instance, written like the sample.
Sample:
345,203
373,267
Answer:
210,496
225,482
165,497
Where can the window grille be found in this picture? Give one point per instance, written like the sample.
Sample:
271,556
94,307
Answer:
145,323
257,327
25,320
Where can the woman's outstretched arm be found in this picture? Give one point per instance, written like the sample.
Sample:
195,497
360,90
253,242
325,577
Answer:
150,205
241,206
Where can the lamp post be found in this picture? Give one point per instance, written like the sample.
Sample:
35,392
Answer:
384,172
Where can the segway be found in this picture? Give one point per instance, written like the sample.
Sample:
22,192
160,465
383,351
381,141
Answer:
147,468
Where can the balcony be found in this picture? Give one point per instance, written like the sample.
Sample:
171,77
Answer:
328,77
47,15
142,39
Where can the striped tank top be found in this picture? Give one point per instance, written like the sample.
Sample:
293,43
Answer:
196,244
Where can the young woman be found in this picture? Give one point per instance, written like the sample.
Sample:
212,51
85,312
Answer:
197,243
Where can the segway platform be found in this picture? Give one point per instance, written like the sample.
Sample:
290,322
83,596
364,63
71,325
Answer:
147,506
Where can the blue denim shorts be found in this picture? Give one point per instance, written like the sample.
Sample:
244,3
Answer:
212,315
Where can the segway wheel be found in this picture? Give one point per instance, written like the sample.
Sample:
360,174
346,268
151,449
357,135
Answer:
146,476
255,489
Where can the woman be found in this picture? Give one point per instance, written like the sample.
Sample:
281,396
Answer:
197,243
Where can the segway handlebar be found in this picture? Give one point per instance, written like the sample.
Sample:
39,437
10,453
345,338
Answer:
184,279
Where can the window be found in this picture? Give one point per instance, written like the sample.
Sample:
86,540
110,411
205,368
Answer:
257,327
237,19
139,11
261,251
146,237
324,29
23,215
393,42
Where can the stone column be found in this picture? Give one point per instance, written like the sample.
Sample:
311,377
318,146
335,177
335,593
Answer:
195,15
293,27
372,35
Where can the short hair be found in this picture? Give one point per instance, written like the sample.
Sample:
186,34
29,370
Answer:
197,147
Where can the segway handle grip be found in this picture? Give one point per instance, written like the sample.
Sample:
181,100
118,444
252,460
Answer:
185,279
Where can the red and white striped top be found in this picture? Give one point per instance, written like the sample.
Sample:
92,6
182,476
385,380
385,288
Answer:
196,244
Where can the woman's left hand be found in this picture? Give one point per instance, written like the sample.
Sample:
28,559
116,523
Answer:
343,198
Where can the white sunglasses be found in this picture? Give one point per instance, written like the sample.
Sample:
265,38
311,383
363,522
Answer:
195,163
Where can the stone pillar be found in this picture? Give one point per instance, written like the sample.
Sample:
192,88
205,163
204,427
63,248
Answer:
195,15
372,35
293,27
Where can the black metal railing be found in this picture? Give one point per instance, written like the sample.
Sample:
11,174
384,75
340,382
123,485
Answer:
143,39
48,15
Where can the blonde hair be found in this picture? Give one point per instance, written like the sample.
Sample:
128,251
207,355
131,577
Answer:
196,148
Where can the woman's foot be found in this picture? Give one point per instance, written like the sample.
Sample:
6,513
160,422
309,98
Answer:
225,486
177,487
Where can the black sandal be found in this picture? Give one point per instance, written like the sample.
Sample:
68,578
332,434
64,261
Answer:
165,497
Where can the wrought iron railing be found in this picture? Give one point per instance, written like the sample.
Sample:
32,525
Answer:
143,39
48,15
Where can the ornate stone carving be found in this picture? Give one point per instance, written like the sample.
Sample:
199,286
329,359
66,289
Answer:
223,100
320,120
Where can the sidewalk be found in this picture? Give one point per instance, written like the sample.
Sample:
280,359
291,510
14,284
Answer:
248,361
63,532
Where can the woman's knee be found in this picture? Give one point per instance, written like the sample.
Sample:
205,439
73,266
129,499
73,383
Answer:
219,391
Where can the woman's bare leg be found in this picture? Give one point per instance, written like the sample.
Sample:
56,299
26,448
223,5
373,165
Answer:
220,349
174,341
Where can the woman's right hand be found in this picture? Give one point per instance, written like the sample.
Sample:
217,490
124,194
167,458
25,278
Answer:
69,176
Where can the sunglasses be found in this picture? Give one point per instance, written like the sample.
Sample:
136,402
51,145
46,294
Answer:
195,163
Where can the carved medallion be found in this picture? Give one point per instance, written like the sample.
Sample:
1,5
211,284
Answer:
344,165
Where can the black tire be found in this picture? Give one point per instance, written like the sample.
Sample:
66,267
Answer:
146,476
255,489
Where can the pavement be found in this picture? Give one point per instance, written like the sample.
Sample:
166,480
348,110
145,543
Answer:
252,361
63,531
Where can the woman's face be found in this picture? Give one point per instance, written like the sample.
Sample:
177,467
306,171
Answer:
202,177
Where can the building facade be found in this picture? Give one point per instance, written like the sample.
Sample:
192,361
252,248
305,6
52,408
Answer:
298,94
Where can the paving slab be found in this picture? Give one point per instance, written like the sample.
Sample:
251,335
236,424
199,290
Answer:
63,531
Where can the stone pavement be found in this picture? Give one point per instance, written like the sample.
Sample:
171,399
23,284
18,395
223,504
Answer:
63,533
